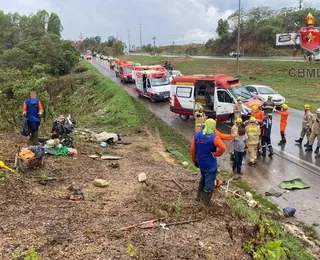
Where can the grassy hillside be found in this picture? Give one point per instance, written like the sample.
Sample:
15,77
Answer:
275,74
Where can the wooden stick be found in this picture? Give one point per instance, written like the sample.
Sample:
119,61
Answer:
139,224
177,184
183,222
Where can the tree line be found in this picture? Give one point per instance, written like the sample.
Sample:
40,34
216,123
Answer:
31,52
258,29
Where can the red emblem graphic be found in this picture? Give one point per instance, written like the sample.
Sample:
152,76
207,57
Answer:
309,38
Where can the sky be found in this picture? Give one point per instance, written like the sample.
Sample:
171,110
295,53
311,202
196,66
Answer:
170,21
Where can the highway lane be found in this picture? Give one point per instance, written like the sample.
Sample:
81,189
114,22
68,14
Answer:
275,58
289,161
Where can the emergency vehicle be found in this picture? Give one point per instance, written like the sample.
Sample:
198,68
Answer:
216,93
153,84
125,72
147,67
118,63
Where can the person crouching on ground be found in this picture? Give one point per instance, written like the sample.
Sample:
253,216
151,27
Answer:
238,145
32,109
206,146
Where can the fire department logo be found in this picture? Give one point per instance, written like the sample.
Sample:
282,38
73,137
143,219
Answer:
310,35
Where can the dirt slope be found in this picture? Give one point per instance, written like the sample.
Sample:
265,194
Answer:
39,216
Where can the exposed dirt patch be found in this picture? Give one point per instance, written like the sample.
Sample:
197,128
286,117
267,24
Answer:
39,216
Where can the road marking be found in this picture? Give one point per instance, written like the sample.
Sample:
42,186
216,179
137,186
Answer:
300,161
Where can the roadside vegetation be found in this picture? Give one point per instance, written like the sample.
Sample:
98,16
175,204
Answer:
297,90
53,226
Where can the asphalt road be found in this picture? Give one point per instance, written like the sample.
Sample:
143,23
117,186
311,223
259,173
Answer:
289,161
288,59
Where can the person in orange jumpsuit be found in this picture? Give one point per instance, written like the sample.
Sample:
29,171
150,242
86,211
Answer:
284,113
257,113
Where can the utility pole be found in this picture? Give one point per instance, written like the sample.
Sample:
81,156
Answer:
154,41
238,43
140,40
117,37
129,41
300,4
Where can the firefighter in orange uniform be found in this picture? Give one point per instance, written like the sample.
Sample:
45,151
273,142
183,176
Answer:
257,113
284,113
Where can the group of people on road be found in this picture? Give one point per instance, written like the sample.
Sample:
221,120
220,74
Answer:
310,129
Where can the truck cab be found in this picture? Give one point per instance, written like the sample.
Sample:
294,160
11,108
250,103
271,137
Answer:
153,84
216,93
126,73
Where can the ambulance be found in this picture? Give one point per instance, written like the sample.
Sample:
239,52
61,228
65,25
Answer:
125,73
153,84
147,67
216,93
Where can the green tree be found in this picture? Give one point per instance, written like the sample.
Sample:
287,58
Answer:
222,28
54,24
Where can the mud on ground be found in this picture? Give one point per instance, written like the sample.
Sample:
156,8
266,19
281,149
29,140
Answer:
39,216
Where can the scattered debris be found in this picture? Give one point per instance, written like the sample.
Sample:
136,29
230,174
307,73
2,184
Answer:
110,157
185,164
94,156
114,165
249,195
289,211
103,144
2,165
100,183
43,179
293,184
142,177
182,222
75,194
273,192
141,224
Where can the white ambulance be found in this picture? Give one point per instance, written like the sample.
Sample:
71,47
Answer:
153,84
216,93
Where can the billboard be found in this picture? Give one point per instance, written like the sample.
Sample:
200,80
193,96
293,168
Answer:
284,39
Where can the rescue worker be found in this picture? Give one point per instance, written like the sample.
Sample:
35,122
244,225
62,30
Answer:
32,109
200,118
266,135
306,125
253,133
237,108
284,113
315,132
235,127
234,133
206,146
257,113
269,106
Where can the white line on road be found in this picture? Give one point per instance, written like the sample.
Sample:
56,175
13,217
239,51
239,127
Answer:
300,161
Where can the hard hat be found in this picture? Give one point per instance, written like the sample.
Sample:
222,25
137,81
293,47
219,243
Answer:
200,107
255,107
252,119
239,120
284,106
269,97
306,106
239,98
318,111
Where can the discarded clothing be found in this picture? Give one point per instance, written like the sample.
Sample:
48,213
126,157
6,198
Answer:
273,192
38,150
293,184
62,151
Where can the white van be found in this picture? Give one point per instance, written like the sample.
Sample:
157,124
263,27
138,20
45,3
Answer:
153,84
216,93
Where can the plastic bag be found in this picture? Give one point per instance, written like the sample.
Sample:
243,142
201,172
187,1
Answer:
24,127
